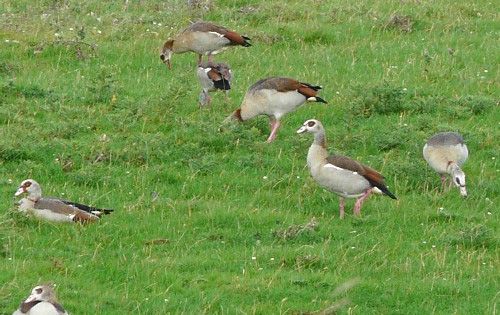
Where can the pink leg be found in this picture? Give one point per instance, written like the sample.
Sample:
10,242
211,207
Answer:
341,207
210,58
199,60
359,201
275,124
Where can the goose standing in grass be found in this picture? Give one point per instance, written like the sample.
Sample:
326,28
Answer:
42,301
213,76
340,174
202,38
275,97
445,152
52,209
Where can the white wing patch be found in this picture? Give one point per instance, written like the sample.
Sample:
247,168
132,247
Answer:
329,165
218,34
207,70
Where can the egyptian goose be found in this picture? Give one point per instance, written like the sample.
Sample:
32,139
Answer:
213,76
340,174
275,97
445,152
203,38
42,301
53,209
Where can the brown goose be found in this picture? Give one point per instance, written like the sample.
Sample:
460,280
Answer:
213,76
42,301
340,174
202,38
275,97
445,152
52,209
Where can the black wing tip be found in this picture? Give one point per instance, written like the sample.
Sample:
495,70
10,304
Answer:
314,87
246,44
320,100
246,37
388,193
222,84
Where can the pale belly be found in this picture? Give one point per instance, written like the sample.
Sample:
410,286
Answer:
342,182
50,215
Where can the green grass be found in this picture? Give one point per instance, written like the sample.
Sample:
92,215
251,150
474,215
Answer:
220,199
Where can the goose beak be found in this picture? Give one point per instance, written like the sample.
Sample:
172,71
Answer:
30,298
302,129
463,191
19,191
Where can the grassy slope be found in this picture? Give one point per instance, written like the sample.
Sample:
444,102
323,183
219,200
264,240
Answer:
222,194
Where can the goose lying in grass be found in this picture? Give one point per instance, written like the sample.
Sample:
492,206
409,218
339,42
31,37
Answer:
213,76
202,38
52,209
445,152
275,97
340,174
42,301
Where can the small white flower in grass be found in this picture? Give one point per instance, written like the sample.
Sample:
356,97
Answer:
99,32
338,93
147,30
147,299
63,193
406,125
484,263
261,268
127,172
489,213
166,300
405,89
98,19
298,177
433,246
79,266
159,24
57,34
264,177
154,23
10,180
70,28
254,258
485,71
492,157
353,232
352,247
10,258
130,193
7,41
272,258
424,242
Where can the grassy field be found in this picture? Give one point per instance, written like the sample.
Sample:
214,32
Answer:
208,220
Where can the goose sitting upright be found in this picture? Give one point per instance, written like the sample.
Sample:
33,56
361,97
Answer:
275,97
42,301
203,38
445,152
340,174
213,76
52,209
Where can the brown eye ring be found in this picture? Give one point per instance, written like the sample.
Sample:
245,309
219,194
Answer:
311,124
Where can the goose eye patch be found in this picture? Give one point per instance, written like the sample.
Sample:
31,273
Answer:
310,124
